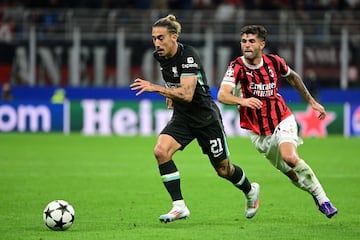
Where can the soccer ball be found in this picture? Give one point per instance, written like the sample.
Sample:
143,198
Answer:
59,215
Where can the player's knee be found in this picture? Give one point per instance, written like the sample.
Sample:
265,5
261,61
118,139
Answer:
223,172
161,154
224,169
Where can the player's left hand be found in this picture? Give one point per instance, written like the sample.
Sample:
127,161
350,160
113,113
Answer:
318,107
169,103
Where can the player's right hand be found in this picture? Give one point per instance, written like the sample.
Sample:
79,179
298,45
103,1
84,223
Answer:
252,103
141,85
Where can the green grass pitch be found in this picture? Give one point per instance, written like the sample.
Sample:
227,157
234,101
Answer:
114,185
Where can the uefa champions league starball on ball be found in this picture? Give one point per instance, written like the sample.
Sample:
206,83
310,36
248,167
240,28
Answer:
59,215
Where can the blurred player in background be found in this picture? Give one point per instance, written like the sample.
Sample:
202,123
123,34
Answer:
6,93
195,116
251,82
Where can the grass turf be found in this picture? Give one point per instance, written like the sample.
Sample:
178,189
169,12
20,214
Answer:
114,186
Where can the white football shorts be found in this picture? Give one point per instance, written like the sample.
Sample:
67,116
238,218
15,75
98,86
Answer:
286,131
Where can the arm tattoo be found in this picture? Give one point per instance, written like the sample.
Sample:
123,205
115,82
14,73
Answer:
184,93
295,81
175,93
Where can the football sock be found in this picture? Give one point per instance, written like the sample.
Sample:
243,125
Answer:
240,180
309,182
171,179
179,203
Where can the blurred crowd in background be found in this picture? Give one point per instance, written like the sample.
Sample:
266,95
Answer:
321,20
189,4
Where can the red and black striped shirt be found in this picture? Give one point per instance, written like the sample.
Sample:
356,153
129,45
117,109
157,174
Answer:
260,81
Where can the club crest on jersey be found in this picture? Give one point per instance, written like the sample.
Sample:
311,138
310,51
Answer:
190,60
175,71
271,73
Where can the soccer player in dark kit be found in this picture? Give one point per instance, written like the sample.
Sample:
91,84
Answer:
251,82
195,116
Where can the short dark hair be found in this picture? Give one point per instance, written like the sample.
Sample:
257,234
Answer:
258,30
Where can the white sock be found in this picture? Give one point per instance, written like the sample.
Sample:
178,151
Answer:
179,203
309,182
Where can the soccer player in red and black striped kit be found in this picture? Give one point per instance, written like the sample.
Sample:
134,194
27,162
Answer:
251,82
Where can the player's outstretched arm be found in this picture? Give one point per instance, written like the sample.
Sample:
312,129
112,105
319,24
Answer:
184,92
295,80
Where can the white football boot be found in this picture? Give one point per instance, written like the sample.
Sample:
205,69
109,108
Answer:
179,211
252,201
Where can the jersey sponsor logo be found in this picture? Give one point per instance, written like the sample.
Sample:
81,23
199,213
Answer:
263,90
261,86
190,65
